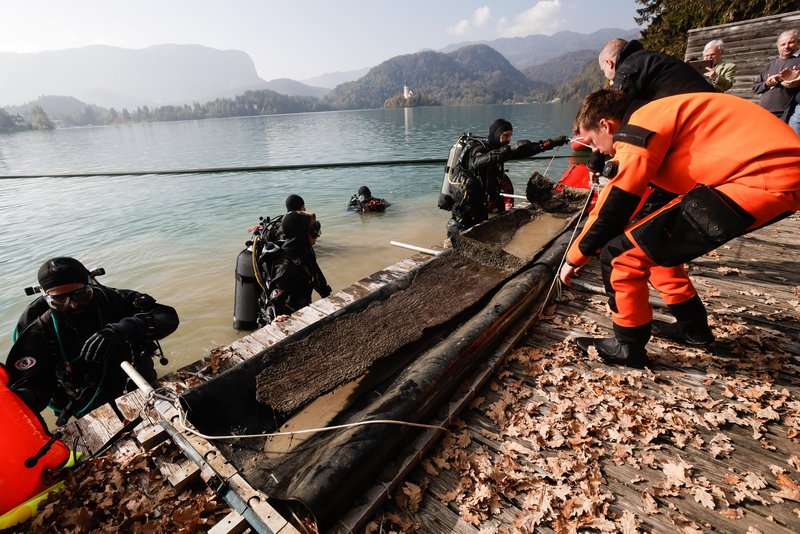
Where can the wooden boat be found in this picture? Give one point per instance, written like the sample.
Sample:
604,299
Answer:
394,355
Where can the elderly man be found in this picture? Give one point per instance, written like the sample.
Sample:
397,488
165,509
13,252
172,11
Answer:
644,75
779,79
721,73
738,179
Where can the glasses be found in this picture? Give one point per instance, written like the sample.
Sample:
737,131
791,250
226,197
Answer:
315,230
80,296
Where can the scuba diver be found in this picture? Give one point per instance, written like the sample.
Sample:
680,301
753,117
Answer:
70,341
475,175
291,268
364,202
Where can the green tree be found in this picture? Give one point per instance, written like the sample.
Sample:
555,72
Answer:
668,21
6,122
40,120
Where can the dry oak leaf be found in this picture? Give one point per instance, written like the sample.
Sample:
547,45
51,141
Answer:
679,472
789,488
649,504
702,496
629,523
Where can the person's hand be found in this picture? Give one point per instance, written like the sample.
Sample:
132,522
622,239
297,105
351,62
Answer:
102,344
773,81
561,140
565,275
711,74
790,77
280,318
523,149
325,291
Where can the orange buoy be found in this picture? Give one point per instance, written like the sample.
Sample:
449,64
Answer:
28,452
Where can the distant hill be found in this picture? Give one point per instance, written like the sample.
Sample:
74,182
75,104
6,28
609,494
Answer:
285,86
332,79
524,52
117,77
54,106
561,69
589,79
474,74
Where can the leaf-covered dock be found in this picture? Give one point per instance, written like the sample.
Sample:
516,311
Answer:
696,442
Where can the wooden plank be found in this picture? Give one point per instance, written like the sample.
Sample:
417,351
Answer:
233,523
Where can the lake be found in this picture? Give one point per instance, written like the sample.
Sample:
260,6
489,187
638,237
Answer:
176,237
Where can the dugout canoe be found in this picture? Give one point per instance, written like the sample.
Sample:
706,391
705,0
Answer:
396,354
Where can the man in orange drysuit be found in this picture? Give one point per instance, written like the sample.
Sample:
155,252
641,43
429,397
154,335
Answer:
735,167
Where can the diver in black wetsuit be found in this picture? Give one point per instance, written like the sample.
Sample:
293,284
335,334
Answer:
72,339
364,202
292,267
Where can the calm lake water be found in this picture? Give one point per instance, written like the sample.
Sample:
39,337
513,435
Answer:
176,237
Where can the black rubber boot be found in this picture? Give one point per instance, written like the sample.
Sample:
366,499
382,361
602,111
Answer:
691,327
627,347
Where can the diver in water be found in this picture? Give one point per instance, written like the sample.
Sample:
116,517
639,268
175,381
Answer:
72,340
292,267
364,202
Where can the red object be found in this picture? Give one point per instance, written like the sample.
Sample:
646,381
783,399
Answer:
577,176
22,436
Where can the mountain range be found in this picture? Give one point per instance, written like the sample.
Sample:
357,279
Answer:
160,75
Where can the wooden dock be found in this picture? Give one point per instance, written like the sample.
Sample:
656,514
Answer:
696,442
556,441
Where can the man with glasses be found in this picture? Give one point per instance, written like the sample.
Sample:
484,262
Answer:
72,340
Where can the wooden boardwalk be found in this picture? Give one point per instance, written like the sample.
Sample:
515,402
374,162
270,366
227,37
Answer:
696,442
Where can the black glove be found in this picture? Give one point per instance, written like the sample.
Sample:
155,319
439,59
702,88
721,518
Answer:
325,291
561,141
523,149
102,343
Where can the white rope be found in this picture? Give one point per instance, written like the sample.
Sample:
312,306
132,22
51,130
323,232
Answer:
184,427
593,186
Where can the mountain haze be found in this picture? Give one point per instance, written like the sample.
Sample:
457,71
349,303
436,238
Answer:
118,77
471,74
523,52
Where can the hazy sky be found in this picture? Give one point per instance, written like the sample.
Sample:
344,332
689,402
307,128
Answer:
298,39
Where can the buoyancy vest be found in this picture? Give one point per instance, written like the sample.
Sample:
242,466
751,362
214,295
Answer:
25,458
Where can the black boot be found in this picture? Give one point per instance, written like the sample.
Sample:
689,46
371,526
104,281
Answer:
691,327
627,347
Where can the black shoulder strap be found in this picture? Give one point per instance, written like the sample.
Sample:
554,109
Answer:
634,135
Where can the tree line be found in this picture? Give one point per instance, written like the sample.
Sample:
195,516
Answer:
249,103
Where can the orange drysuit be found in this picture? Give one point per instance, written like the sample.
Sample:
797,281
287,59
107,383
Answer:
736,168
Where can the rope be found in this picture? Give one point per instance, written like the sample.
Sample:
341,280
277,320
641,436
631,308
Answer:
255,168
168,395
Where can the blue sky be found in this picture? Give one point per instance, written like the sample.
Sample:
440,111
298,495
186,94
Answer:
298,39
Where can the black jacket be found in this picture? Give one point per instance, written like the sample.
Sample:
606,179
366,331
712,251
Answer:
294,273
645,76
44,364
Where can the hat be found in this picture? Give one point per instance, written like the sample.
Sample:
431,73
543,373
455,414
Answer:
364,191
295,203
296,223
60,271
496,130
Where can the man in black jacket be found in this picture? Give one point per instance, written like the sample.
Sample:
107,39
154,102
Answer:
645,76
72,340
292,267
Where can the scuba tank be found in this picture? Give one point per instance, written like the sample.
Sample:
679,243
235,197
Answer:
454,167
246,291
